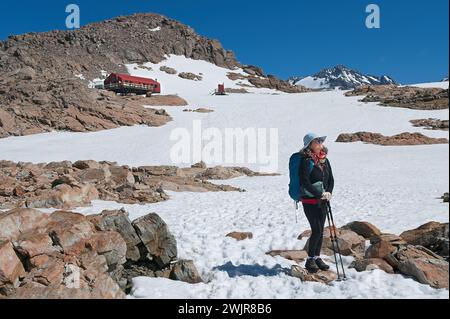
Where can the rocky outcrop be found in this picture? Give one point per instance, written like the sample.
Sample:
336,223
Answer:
418,253
190,76
68,255
66,185
271,82
406,97
236,91
431,124
41,74
396,140
421,254
44,105
424,266
168,70
433,236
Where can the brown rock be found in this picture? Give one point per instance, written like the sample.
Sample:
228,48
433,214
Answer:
239,236
307,233
396,140
431,124
70,231
17,221
372,263
405,97
117,220
86,164
433,272
324,277
11,268
111,245
190,76
34,244
364,229
430,235
390,238
379,250
168,70
185,270
159,243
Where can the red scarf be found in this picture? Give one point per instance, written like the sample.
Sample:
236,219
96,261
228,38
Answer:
319,159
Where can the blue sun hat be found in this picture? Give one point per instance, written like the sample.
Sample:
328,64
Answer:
309,138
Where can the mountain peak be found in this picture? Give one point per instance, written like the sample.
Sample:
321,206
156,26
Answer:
342,77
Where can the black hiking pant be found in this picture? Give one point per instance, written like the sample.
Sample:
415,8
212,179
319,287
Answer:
317,215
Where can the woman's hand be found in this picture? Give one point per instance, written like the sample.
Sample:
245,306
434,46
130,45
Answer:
327,196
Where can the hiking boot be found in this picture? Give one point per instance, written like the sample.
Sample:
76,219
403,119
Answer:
311,266
322,265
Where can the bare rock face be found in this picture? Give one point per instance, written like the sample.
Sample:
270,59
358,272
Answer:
405,97
396,140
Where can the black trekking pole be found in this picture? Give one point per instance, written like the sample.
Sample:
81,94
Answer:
333,234
333,246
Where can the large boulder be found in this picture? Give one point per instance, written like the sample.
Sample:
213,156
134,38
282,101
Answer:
158,242
364,229
423,265
380,250
70,231
184,270
118,220
11,268
371,264
433,236
17,221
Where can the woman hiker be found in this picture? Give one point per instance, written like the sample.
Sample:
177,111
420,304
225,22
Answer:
317,183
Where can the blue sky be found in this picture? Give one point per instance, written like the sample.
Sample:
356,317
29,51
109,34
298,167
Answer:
285,37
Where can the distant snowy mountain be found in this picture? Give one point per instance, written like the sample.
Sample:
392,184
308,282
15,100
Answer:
445,79
340,77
